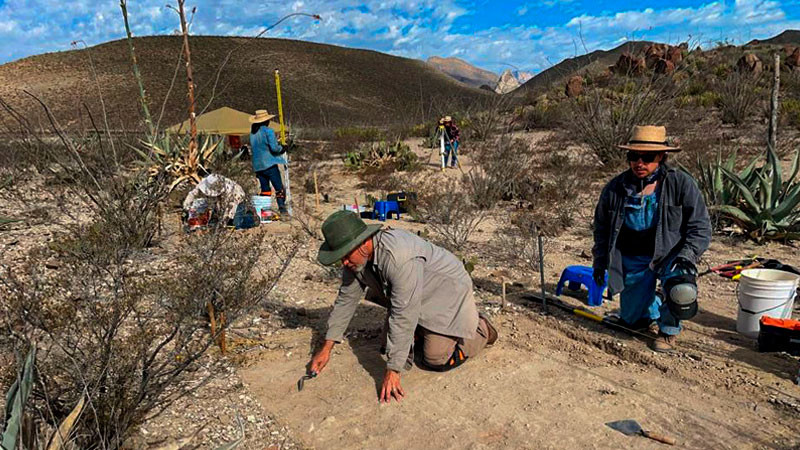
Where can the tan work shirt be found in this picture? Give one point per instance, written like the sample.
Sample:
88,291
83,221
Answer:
420,284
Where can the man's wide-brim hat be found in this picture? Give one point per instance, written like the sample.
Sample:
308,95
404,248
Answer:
448,119
343,231
649,138
261,116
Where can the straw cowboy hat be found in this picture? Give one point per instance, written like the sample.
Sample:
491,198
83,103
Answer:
649,138
261,116
448,119
343,231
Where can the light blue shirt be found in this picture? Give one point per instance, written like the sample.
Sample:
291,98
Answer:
640,211
266,149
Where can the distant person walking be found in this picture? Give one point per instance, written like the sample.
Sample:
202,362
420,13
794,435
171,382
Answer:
451,140
267,157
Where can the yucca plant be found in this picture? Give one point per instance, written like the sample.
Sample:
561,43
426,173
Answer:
765,204
16,399
175,158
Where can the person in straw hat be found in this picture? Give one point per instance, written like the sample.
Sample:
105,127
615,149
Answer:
267,157
425,289
452,137
651,224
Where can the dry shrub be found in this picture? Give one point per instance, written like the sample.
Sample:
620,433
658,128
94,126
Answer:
128,339
560,199
519,241
737,95
113,322
483,119
604,118
447,209
502,171
542,114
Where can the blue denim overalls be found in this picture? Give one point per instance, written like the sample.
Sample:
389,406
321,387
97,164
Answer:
638,299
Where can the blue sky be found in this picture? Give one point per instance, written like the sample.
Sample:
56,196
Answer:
529,35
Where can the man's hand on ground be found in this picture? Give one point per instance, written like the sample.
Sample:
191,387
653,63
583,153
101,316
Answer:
321,358
391,387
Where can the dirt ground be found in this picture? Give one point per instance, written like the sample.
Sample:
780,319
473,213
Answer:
551,381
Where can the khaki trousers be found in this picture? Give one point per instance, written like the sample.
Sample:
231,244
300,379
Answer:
437,349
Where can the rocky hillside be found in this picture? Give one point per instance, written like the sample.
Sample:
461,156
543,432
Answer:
606,58
323,85
464,71
570,66
507,83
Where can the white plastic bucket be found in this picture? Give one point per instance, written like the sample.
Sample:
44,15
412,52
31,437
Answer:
764,292
263,206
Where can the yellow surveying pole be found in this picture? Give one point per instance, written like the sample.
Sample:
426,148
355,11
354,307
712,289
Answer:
283,142
280,107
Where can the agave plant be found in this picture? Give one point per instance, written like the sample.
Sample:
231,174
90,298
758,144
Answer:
175,158
716,187
765,204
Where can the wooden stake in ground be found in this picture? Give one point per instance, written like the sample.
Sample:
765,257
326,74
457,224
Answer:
504,276
211,319
223,345
774,105
316,191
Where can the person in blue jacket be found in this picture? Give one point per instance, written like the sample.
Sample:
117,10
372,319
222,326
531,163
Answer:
267,156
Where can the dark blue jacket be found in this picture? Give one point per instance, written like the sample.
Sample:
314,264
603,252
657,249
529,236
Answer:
683,227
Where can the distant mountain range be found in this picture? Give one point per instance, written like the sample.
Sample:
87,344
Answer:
464,71
480,78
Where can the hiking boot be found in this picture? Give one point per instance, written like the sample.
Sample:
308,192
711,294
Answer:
653,328
492,337
664,343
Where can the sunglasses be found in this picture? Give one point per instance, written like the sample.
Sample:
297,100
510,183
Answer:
645,157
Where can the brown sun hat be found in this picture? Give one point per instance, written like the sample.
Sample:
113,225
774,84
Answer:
649,138
261,116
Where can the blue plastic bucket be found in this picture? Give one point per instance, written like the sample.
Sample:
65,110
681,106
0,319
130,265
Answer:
263,206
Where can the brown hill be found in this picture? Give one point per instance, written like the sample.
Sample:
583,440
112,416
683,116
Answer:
464,71
791,37
323,85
